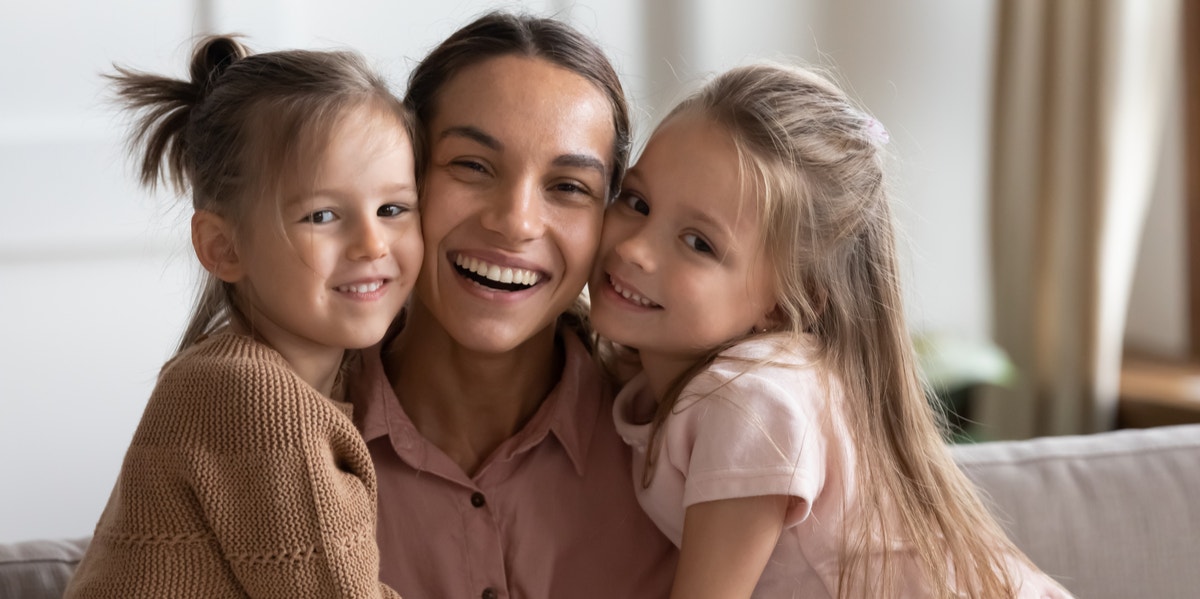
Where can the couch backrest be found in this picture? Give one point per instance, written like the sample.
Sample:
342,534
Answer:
38,569
1111,515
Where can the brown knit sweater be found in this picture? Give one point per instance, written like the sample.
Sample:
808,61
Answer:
241,481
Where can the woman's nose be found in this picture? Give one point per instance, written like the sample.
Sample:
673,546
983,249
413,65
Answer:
517,213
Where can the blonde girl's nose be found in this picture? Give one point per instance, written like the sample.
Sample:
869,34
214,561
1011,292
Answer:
637,250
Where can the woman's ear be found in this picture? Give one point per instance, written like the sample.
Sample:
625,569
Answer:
212,238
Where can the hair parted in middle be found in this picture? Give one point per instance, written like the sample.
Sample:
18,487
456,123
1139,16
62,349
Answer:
500,33
240,129
814,162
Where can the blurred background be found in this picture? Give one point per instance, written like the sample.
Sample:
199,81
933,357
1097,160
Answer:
1039,160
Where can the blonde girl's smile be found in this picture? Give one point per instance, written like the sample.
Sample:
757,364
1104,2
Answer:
630,294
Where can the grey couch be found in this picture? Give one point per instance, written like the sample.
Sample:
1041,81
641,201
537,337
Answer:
1113,515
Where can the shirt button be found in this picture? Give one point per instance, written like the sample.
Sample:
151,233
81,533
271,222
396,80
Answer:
478,500
490,593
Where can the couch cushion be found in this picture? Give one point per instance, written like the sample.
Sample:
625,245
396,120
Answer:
38,569
1114,514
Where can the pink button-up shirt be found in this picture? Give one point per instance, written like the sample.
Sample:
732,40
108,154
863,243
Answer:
551,513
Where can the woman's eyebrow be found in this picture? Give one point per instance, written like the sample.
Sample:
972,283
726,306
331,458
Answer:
581,161
472,133
477,135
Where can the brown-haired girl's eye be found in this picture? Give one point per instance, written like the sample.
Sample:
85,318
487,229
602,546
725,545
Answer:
391,210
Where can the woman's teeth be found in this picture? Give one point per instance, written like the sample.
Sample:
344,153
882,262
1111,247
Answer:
492,272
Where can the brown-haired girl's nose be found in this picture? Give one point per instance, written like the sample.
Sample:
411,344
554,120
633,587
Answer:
370,243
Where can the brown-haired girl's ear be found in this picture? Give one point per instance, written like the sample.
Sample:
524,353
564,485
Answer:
212,238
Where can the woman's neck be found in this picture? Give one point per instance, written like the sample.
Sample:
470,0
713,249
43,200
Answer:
463,401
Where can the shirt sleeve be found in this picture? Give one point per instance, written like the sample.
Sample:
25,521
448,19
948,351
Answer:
747,437
288,490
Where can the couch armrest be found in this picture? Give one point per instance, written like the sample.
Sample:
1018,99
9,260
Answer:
38,569
1113,514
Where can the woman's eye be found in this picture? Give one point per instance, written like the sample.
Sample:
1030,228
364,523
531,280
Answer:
470,165
636,203
318,217
391,210
697,243
570,188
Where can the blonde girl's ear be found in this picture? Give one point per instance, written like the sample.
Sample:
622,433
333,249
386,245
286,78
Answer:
212,238
771,320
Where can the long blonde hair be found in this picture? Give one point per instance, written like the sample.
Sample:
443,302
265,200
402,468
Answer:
238,128
815,161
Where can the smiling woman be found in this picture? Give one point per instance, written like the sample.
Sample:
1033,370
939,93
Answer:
484,412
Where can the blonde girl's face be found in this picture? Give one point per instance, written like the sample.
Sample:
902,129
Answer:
681,267
342,264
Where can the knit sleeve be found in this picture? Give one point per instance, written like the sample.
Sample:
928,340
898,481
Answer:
286,485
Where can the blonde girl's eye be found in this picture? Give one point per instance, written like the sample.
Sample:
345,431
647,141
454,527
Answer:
635,203
319,217
698,243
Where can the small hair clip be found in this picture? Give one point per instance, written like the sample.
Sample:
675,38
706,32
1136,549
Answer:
878,133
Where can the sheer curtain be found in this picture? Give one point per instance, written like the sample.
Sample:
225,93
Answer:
1082,94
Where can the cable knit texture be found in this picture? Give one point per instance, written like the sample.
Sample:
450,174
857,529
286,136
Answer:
241,480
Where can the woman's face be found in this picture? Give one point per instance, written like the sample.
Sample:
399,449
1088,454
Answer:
513,199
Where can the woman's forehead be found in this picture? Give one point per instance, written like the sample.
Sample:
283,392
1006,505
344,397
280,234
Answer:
516,98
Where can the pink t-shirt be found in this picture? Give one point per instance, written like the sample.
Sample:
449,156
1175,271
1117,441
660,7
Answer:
551,513
740,430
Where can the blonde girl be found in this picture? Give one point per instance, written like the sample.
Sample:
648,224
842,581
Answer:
246,476
780,429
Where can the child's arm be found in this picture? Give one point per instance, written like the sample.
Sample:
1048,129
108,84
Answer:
726,545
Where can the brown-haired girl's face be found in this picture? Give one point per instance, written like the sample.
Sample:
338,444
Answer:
346,258
681,267
513,198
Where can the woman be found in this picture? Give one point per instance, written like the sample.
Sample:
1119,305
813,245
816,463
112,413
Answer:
500,472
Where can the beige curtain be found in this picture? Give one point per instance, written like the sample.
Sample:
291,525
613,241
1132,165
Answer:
1082,94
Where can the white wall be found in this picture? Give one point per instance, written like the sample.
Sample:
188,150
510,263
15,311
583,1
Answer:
95,278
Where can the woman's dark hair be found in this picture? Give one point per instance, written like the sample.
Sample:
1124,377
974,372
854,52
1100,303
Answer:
500,34
241,127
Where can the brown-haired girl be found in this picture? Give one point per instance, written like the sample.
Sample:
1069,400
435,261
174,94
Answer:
246,476
781,432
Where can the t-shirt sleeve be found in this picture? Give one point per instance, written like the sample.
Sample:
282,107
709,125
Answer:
749,437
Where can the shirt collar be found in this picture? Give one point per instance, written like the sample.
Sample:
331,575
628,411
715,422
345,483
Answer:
569,412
